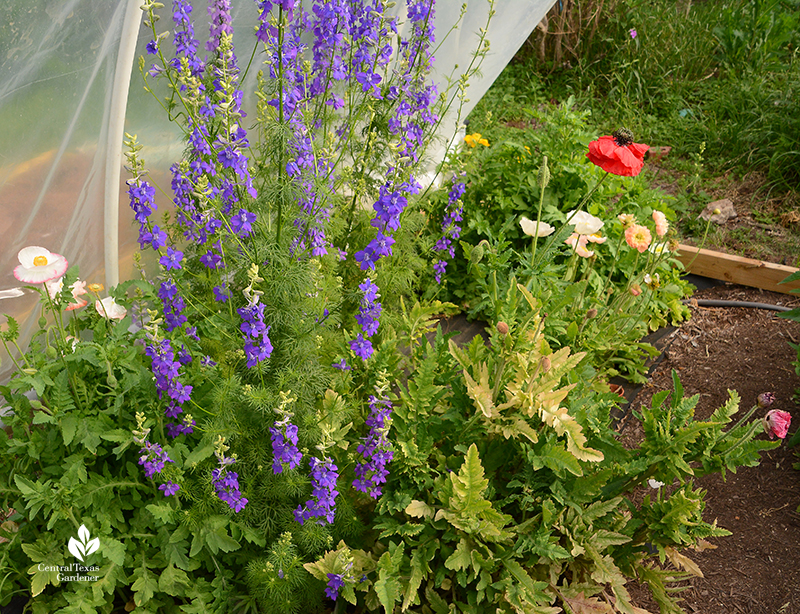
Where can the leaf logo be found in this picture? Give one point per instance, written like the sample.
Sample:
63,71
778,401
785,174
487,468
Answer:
83,546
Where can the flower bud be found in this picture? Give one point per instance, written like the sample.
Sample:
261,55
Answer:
476,255
635,290
544,174
717,211
765,399
502,328
592,313
546,364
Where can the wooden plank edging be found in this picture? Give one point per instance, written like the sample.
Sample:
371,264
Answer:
736,269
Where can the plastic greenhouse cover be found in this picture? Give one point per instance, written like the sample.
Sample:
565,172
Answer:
58,61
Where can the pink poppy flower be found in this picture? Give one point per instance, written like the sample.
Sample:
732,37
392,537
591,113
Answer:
578,243
776,423
38,265
78,288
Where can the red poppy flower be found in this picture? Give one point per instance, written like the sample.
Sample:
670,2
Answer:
618,154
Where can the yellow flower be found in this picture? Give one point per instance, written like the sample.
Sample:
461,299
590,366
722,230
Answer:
94,287
475,139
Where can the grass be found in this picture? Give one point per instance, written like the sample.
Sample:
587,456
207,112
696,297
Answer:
716,80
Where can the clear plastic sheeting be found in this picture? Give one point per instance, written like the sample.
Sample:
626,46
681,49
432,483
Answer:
58,62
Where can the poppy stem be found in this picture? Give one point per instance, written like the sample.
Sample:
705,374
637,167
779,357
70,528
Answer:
560,234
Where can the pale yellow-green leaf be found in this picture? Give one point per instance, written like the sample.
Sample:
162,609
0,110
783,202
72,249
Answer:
481,391
580,604
683,562
419,571
41,579
460,559
419,509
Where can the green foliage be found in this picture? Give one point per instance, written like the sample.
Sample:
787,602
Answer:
509,491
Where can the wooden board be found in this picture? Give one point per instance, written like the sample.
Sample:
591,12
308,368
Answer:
736,269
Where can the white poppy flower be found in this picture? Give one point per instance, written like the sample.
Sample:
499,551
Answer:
38,265
110,309
585,223
529,228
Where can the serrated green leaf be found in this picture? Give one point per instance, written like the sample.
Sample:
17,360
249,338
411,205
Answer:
69,426
144,587
42,417
161,512
558,460
387,587
114,550
198,454
41,579
173,581
419,571
419,509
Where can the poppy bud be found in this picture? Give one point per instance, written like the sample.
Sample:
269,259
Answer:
544,174
476,255
592,313
765,399
546,364
502,328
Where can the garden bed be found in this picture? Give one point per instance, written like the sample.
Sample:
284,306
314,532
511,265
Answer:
754,570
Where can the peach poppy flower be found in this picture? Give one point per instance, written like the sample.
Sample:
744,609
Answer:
662,225
638,237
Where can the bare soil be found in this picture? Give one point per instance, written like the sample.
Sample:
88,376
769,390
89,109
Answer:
755,570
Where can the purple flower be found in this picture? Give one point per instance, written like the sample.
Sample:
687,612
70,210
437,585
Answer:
284,446
361,347
169,488
323,491
172,259
255,333
153,458
342,365
226,485
632,32
242,223
451,229
376,450
335,582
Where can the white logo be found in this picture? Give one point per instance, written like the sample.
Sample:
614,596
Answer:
85,546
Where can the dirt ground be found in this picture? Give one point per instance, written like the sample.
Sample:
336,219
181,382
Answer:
755,570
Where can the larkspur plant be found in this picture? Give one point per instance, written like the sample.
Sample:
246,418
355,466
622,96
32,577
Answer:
271,269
